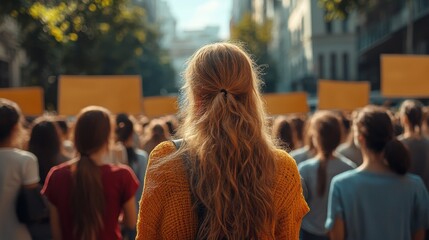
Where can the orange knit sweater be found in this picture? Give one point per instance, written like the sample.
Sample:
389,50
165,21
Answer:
166,208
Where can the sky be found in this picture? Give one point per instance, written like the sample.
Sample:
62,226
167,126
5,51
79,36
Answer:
196,14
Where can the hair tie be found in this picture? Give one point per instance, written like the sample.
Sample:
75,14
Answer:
223,91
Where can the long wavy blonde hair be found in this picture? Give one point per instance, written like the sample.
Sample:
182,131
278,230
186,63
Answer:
230,150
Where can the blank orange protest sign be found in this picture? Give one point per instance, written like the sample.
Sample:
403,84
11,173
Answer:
278,104
159,106
343,95
29,99
405,76
116,93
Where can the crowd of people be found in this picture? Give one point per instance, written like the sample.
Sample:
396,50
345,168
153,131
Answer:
221,168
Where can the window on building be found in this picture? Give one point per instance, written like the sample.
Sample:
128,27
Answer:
328,26
333,66
345,25
4,74
321,66
345,66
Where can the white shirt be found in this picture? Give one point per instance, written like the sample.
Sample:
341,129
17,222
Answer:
17,168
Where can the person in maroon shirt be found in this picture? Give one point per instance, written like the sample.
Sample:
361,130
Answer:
86,195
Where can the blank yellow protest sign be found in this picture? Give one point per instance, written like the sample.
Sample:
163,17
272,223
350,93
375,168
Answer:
405,76
159,106
343,95
286,103
116,93
29,99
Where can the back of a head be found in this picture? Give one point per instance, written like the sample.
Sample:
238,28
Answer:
10,115
63,127
283,131
92,130
345,124
124,127
325,130
413,111
158,132
375,125
298,123
231,151
171,122
91,134
308,137
221,81
45,143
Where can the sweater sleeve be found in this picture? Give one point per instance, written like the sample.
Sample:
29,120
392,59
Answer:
153,197
292,206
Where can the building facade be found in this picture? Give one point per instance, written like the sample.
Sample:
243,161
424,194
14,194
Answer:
399,27
304,46
310,48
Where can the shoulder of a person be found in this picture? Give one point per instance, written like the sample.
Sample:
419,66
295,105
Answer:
414,179
308,163
346,161
117,168
283,158
401,137
345,177
286,165
24,155
426,139
299,151
342,147
60,170
141,152
159,161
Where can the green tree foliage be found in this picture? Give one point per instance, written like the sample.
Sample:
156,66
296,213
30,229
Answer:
256,38
340,9
88,37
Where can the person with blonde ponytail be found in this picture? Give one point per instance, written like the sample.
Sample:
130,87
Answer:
379,199
86,195
227,180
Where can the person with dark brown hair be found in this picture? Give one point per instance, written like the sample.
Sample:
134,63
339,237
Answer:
298,124
155,133
349,149
227,179
283,131
86,195
378,200
137,158
307,151
318,172
45,143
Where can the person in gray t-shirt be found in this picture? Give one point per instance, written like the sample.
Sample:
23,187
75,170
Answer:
411,113
317,172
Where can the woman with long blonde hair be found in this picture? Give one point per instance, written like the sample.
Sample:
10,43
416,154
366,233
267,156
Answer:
227,180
